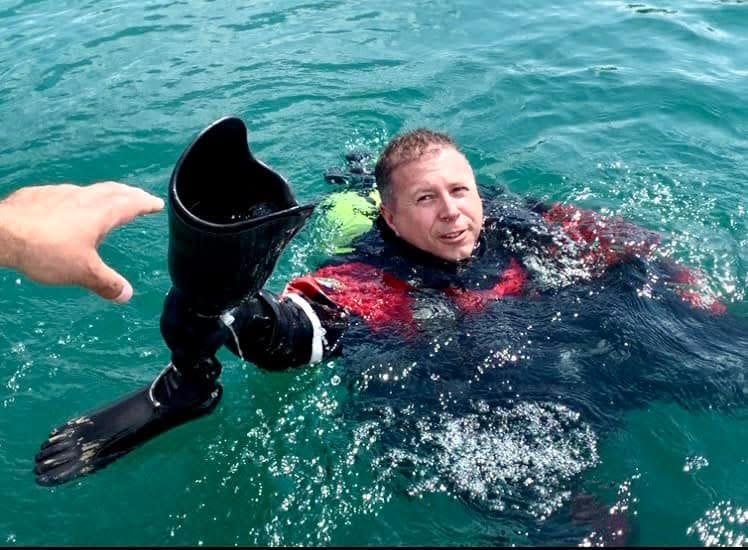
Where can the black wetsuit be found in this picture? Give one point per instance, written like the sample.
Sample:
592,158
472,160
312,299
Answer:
559,322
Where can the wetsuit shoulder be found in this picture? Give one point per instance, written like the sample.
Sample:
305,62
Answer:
367,291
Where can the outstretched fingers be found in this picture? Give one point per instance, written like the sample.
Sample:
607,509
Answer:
123,203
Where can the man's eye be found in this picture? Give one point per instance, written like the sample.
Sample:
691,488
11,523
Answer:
424,198
460,190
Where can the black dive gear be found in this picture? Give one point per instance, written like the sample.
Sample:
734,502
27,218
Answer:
358,174
230,217
276,334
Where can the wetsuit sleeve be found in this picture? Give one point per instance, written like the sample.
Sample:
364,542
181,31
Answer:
692,287
290,331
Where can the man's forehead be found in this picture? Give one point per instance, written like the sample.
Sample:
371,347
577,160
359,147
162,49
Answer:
434,161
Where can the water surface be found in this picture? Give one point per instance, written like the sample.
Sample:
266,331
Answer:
628,108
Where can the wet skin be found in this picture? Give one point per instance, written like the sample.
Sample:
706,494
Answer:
435,204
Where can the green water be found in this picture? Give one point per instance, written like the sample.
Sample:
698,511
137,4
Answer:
635,109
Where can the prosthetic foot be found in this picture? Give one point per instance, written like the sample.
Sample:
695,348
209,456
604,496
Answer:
94,440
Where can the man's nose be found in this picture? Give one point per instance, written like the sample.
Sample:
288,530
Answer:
449,208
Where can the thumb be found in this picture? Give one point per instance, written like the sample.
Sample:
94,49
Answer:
106,282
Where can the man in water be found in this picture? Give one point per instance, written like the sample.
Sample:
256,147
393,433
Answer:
432,243
437,261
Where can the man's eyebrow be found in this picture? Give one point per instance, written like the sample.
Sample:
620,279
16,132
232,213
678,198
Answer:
420,187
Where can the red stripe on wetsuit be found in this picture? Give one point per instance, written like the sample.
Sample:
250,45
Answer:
382,299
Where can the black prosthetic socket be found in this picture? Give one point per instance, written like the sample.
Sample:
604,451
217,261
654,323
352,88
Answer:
230,217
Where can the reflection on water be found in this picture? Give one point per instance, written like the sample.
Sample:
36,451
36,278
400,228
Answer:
723,525
517,458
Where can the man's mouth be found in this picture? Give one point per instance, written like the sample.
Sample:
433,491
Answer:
454,236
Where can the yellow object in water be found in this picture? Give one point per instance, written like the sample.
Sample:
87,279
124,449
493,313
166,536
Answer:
347,215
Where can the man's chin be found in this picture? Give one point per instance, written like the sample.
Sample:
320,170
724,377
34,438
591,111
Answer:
457,254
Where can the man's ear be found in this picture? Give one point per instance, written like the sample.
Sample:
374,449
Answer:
389,217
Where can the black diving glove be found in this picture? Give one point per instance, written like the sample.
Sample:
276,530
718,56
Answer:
186,389
276,334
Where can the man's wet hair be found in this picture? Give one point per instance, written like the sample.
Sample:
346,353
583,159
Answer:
403,149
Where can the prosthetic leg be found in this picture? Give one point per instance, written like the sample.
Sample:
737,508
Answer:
230,217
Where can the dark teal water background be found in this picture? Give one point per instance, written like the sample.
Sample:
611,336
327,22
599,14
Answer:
633,109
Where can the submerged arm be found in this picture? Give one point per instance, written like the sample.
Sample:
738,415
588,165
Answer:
603,242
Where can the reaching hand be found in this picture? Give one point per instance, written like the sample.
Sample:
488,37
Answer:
51,233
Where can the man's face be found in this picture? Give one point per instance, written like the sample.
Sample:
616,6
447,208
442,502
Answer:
435,204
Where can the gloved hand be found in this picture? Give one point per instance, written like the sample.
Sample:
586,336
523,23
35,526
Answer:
276,334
